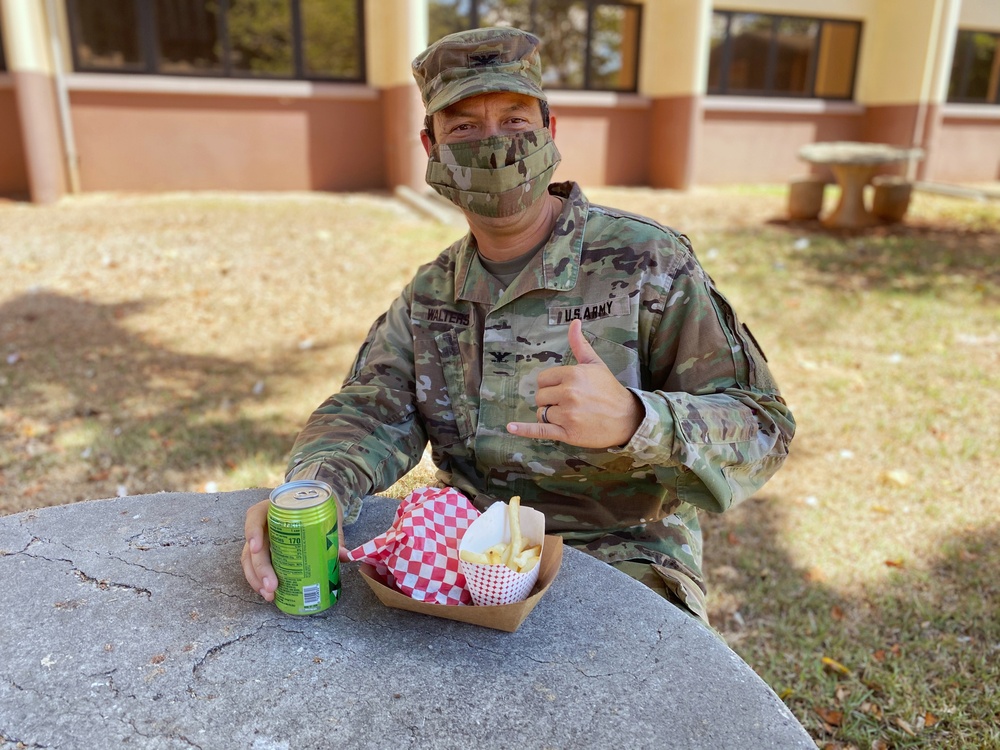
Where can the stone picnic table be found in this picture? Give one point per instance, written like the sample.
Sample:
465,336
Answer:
127,623
854,164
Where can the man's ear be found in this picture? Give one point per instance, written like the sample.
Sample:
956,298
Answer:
426,140
552,125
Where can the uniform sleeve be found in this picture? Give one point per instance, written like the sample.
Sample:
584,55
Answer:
365,437
713,408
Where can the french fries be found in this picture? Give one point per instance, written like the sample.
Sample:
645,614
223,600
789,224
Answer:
513,554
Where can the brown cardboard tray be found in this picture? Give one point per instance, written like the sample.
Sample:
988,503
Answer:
504,617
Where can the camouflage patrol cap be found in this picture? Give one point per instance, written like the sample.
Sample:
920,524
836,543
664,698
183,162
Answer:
479,61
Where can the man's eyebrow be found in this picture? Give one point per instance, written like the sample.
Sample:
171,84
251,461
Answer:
456,110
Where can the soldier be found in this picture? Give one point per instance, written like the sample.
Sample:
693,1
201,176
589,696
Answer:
573,354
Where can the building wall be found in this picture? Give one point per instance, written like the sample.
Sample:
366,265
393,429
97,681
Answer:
759,141
13,175
967,147
171,140
137,132
597,138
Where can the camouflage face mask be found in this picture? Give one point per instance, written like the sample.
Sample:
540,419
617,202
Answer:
497,176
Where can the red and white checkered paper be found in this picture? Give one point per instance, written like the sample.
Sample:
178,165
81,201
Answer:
419,553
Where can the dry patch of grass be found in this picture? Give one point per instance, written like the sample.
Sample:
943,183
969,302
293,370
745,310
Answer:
179,342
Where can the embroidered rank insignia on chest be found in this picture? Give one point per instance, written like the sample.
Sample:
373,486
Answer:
609,308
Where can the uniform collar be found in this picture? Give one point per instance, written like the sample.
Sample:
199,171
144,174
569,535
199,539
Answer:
556,267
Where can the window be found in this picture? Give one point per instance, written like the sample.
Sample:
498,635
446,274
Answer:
759,54
3,59
311,39
975,71
586,44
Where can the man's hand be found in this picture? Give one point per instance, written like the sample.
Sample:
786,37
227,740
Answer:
256,557
582,404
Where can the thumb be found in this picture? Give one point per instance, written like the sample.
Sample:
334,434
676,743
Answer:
581,348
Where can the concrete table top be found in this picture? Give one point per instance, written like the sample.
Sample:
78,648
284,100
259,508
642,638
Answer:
127,623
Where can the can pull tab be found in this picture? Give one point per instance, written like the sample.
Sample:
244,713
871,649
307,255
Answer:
306,494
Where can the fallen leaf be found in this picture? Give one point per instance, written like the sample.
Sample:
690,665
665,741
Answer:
904,726
815,575
894,563
831,716
930,719
832,665
836,613
880,745
898,477
732,539
881,509
842,693
872,709
879,655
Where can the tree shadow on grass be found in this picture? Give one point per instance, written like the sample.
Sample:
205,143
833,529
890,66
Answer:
90,409
911,660
918,257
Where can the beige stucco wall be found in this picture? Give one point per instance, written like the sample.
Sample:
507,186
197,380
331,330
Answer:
395,33
980,14
674,48
25,36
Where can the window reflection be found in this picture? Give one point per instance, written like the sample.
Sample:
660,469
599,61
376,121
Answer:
586,44
765,54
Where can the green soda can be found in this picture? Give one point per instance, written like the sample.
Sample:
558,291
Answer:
302,529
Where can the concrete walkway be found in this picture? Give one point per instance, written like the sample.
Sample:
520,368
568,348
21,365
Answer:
127,623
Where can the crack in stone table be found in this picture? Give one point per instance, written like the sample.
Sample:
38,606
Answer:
854,164
127,622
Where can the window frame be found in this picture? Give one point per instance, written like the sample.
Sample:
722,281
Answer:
966,68
592,5
147,37
768,92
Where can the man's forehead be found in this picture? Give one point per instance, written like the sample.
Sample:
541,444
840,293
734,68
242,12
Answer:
505,101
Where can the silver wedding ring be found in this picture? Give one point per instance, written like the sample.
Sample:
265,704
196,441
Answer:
545,414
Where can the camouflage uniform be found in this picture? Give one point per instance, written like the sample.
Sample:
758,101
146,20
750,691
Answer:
456,357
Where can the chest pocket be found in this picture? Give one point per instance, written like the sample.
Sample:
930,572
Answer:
445,369
623,361
572,460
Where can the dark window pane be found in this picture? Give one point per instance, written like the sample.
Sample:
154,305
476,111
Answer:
3,58
107,34
982,85
750,40
562,27
958,64
260,37
515,13
332,47
838,54
614,45
717,50
448,16
795,55
187,36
